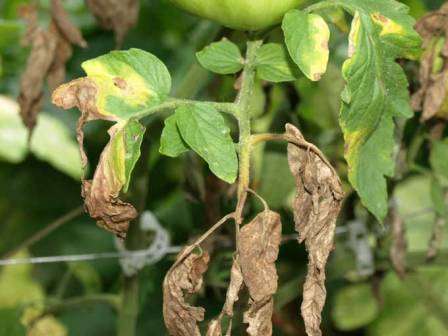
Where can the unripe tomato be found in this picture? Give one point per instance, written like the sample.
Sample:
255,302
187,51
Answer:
240,14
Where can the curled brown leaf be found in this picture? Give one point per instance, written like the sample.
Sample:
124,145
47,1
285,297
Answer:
68,30
258,247
43,45
433,75
316,207
116,15
50,50
185,277
236,282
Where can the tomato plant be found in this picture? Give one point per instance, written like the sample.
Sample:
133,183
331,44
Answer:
321,121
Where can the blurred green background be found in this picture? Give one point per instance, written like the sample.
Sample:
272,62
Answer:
365,296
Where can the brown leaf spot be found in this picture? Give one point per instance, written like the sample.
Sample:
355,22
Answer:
120,83
184,278
316,207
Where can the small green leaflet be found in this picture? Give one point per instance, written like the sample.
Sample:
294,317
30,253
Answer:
203,128
132,140
375,93
273,63
171,143
128,81
306,37
221,57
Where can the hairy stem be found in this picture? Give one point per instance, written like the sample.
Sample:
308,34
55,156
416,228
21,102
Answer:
243,107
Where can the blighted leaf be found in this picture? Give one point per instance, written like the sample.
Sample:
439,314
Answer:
171,143
70,32
316,208
43,45
223,57
116,15
184,278
62,53
204,129
258,246
375,94
127,82
235,285
273,63
259,317
101,194
433,75
306,37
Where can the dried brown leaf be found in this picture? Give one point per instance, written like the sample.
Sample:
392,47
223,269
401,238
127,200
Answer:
236,282
259,317
116,15
63,52
43,45
258,246
432,95
69,31
185,277
100,194
316,207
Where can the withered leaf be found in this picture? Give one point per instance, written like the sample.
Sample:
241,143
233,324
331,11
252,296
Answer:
116,15
236,282
433,75
69,31
258,247
259,317
43,45
62,53
183,278
316,207
80,93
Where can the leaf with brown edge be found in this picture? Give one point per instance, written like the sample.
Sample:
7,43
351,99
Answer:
69,31
116,15
235,285
43,45
316,207
258,246
101,195
185,277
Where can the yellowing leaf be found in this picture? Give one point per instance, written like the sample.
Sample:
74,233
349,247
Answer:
306,37
127,82
375,94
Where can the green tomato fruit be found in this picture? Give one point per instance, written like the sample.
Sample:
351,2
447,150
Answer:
240,14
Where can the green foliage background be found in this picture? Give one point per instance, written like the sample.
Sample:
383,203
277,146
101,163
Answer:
365,297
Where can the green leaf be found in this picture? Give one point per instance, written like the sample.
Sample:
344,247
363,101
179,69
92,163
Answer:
203,128
125,150
415,305
222,57
52,141
273,64
171,143
376,93
127,82
354,307
306,37
439,160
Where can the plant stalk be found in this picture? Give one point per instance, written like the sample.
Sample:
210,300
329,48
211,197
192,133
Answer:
243,115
